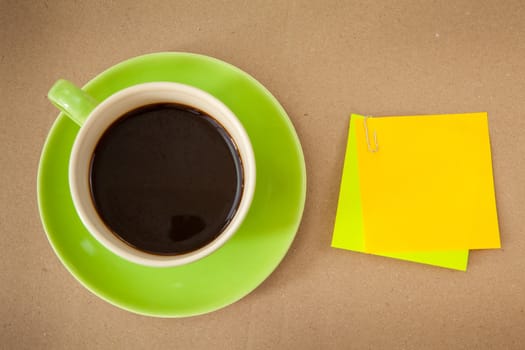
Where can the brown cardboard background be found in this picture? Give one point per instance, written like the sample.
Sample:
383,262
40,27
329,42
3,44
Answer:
322,60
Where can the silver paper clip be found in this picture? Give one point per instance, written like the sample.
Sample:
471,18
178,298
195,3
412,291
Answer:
371,148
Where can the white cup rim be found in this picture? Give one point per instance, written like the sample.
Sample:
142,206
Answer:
113,108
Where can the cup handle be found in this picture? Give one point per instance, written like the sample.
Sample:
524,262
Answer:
74,102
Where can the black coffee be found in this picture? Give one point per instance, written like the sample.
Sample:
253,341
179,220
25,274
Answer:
166,178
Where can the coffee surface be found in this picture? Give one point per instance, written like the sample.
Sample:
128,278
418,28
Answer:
166,178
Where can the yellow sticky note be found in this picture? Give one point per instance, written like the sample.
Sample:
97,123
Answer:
429,186
349,228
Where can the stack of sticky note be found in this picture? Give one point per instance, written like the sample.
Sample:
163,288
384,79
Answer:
418,188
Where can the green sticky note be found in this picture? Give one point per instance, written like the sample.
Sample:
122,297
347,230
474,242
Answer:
349,230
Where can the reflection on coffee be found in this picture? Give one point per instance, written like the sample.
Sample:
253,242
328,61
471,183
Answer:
166,178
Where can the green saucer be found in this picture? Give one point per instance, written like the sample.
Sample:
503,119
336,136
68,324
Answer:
242,263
